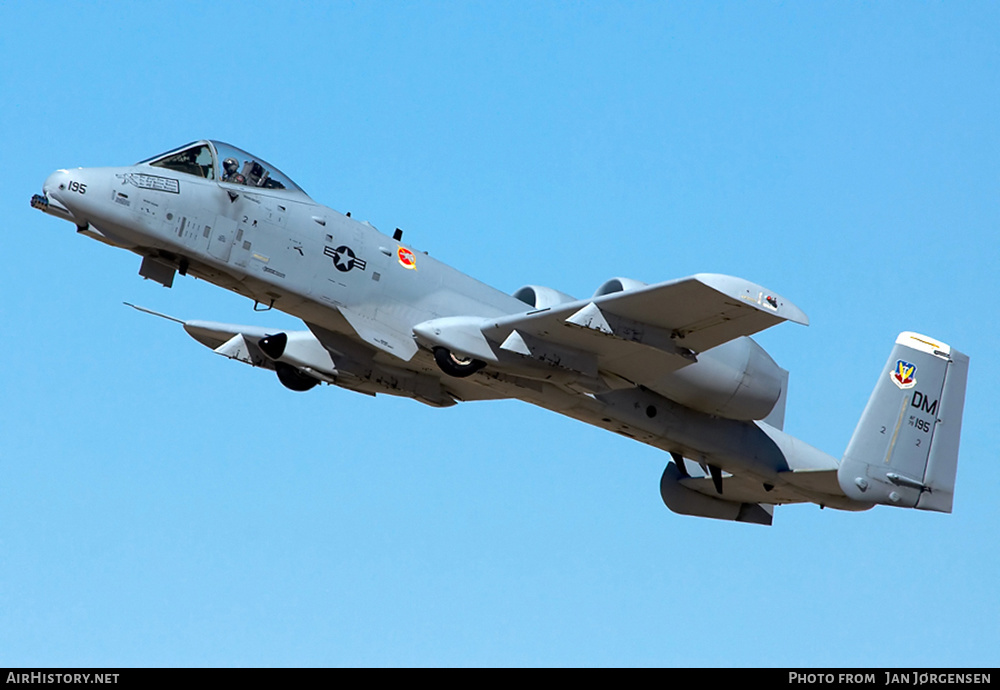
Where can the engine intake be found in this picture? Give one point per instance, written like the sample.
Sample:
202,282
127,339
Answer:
618,285
541,297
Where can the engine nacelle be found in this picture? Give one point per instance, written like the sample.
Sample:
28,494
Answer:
541,297
736,380
618,285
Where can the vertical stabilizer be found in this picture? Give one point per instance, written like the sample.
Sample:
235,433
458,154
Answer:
904,451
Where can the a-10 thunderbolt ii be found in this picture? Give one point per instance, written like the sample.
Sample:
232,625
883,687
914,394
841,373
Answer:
670,365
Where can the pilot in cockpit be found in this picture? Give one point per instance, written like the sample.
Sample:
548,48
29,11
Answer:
231,167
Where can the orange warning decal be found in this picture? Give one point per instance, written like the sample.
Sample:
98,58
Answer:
406,258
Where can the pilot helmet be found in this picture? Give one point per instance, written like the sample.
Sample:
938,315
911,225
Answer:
230,165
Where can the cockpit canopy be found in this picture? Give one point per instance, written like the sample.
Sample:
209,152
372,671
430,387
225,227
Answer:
216,160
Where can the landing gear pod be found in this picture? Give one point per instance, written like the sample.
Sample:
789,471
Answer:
456,366
293,379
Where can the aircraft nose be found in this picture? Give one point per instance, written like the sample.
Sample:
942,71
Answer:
55,183
54,193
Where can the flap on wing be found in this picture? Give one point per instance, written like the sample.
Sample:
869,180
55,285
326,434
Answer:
650,331
380,335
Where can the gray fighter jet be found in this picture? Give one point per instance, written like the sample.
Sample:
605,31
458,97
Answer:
670,365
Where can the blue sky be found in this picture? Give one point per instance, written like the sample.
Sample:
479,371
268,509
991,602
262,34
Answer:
161,505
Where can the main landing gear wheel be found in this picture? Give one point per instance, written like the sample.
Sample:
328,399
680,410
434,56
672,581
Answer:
456,366
293,379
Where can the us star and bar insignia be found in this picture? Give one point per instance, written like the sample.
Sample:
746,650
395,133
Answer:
344,258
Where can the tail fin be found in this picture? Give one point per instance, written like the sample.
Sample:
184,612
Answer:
904,451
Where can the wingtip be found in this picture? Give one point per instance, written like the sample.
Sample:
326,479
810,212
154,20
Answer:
800,316
755,295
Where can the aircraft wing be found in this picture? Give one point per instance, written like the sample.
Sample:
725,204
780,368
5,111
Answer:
638,335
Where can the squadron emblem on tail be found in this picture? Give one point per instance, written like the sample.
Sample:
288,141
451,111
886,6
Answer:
904,374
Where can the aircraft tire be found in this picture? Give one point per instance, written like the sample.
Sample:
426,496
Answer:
459,367
293,379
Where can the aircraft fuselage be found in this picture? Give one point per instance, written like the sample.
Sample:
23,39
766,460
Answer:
384,317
